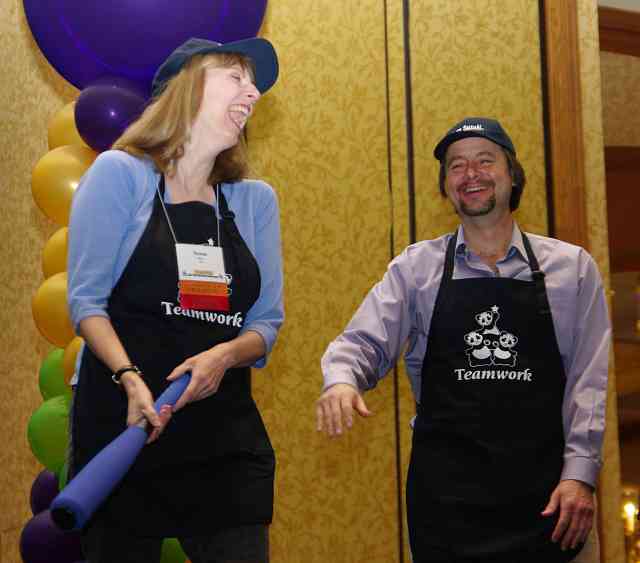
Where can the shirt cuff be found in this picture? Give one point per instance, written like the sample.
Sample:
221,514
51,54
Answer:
581,469
333,378
85,312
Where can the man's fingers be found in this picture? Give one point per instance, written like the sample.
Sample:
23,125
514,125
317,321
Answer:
319,417
585,524
335,407
347,410
572,535
552,505
586,528
324,416
562,525
361,406
328,418
336,416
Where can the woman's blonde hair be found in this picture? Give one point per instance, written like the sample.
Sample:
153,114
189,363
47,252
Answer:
164,127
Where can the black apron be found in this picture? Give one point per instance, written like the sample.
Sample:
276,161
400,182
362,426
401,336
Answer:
213,466
488,440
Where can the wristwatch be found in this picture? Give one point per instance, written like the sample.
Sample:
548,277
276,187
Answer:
124,369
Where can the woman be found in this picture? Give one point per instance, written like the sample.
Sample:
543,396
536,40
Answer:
153,222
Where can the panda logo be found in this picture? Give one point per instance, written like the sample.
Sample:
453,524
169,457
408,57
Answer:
488,345
473,338
503,355
478,353
507,340
485,318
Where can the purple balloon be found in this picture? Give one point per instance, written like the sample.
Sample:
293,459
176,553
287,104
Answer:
42,541
104,110
43,491
87,40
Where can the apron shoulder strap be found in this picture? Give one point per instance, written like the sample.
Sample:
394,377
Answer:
538,278
447,274
225,213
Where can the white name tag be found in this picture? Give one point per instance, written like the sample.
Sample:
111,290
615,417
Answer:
198,262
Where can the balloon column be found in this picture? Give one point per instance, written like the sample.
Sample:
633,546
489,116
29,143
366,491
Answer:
114,72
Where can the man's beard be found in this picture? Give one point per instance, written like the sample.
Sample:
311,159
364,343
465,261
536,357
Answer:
487,208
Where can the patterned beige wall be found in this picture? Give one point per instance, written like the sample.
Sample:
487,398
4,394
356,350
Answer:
30,95
471,58
620,102
594,98
320,139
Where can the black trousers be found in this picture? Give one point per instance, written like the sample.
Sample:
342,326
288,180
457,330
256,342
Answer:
448,536
438,554
243,544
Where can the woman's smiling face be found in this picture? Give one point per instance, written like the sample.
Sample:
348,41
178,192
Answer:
227,103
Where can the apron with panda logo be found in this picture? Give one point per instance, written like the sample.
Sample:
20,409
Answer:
488,440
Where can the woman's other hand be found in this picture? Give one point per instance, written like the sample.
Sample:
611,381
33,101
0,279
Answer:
207,370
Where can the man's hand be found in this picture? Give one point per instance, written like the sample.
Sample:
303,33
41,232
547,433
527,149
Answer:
575,500
336,405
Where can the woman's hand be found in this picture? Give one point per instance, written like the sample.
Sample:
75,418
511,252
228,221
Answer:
207,370
141,410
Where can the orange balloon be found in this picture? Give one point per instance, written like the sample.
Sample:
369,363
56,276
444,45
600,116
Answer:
56,176
69,358
54,254
62,128
50,313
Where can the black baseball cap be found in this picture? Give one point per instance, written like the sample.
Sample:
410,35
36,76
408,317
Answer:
474,127
259,50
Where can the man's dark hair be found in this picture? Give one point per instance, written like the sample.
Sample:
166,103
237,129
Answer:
518,178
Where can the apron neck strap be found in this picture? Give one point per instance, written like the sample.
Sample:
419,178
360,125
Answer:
538,278
225,212
222,209
447,275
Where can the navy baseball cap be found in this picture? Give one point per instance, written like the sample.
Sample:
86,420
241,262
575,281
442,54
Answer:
259,50
474,127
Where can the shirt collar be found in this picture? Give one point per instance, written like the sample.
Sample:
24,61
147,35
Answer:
515,246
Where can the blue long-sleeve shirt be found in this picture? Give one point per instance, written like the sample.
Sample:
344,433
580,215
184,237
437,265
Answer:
110,210
398,311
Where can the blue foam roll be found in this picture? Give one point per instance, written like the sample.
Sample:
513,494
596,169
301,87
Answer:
73,507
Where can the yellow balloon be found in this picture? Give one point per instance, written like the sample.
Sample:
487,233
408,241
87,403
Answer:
69,358
62,128
55,178
50,313
54,254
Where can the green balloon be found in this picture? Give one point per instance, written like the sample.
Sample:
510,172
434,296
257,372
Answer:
48,432
172,552
51,380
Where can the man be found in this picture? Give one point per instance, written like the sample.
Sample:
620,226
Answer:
508,340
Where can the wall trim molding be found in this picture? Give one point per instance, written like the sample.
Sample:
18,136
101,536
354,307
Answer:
564,122
619,31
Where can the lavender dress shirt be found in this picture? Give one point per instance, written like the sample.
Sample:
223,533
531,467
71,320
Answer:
397,314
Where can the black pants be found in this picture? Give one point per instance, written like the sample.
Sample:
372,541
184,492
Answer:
461,533
435,554
243,544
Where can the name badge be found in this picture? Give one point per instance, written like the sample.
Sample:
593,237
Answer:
202,280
